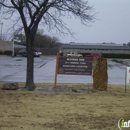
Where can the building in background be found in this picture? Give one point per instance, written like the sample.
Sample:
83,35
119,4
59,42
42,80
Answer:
94,48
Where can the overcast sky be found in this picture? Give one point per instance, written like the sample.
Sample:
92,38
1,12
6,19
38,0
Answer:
112,24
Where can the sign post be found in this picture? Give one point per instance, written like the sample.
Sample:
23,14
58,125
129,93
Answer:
72,66
56,70
127,77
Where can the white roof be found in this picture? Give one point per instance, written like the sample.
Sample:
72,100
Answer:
19,46
101,44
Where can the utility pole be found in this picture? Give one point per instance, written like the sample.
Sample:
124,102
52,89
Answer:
1,30
13,48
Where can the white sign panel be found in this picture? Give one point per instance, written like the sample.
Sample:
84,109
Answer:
128,75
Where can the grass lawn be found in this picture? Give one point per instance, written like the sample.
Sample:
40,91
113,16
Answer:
36,110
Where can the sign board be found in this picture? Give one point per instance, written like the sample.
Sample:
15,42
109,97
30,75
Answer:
127,75
75,66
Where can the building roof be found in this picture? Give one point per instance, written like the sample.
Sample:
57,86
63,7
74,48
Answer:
19,46
100,46
104,44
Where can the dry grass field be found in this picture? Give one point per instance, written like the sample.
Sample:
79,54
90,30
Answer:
36,110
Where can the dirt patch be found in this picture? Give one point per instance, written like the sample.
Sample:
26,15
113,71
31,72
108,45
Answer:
36,110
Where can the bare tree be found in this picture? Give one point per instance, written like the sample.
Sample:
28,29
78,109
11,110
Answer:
49,13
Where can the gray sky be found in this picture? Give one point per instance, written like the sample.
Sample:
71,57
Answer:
112,24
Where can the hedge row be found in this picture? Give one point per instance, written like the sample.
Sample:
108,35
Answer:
121,56
105,55
111,55
8,52
1,52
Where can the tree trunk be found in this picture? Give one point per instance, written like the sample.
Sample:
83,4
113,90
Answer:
30,64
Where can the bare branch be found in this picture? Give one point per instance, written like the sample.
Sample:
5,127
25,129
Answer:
5,5
15,6
29,9
49,12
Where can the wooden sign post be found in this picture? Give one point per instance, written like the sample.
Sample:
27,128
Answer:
72,66
56,70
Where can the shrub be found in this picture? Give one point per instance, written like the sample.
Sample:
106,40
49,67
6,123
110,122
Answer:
1,52
8,52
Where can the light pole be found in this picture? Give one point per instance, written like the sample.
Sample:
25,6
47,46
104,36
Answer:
1,30
13,48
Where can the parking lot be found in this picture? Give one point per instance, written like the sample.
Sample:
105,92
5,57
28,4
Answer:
14,70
